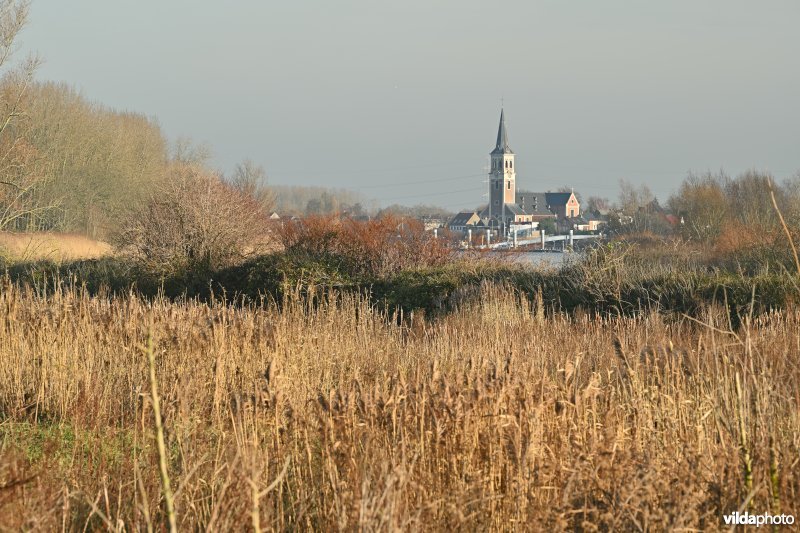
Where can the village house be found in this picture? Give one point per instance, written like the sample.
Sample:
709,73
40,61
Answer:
589,224
463,221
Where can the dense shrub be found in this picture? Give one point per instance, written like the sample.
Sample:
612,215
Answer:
376,247
195,221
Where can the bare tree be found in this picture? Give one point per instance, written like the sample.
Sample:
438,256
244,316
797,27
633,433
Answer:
251,179
639,210
791,187
194,220
18,183
751,203
702,205
186,151
97,162
598,204
633,199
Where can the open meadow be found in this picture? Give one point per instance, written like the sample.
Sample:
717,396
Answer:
323,412
43,246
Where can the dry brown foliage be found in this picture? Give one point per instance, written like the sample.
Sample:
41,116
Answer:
378,246
194,220
735,237
329,415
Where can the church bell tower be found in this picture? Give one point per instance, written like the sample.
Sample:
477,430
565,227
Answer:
502,179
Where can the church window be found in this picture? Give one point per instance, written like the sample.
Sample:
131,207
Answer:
510,164
509,186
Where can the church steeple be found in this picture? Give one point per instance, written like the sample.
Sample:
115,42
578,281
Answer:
502,180
502,137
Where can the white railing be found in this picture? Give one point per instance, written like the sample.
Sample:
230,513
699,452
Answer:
567,239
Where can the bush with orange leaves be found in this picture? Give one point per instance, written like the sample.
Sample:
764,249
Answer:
739,246
375,247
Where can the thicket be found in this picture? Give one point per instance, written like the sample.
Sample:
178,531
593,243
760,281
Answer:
735,222
194,222
617,280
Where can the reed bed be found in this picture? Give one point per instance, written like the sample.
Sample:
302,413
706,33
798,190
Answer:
329,413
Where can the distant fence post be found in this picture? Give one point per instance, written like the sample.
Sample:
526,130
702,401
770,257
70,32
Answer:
435,233
469,238
542,232
488,237
570,238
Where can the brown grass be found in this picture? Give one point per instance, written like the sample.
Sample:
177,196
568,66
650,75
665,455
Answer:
328,415
51,246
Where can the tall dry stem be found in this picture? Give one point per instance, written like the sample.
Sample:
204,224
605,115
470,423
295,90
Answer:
747,461
162,448
785,227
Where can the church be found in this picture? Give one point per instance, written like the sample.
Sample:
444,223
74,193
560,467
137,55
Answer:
508,207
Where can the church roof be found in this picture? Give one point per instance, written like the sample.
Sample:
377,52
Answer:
463,218
557,198
502,137
514,209
534,203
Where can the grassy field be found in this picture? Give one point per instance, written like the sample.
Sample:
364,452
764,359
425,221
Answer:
325,413
55,247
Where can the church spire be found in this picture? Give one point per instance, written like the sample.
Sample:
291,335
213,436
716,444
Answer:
502,137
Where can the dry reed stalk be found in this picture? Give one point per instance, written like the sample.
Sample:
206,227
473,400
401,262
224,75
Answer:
785,227
162,447
774,478
747,461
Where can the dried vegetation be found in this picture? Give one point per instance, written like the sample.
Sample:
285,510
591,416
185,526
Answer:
323,413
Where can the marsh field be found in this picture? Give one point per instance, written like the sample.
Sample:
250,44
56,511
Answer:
190,341
321,409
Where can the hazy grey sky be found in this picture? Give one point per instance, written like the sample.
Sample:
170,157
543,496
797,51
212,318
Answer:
401,100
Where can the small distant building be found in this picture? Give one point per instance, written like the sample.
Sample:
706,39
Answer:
588,224
431,223
274,216
463,221
563,204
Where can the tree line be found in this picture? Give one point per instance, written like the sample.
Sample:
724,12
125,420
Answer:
706,207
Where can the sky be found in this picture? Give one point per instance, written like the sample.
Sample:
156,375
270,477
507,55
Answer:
400,100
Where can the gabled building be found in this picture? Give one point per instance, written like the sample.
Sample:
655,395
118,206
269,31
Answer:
462,221
563,204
